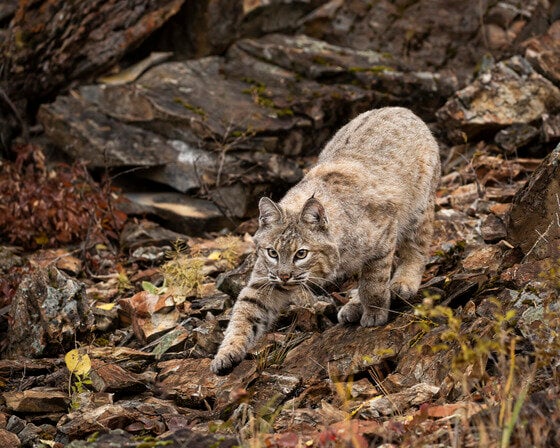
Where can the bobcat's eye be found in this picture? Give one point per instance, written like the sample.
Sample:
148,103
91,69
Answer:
301,254
272,253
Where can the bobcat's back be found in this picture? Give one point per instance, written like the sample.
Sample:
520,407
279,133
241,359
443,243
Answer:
382,166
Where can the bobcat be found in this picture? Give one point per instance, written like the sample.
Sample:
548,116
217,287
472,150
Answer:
367,204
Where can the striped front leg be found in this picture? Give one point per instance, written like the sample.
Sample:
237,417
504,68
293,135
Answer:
253,313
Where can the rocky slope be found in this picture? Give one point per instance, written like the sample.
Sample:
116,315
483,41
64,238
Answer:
250,93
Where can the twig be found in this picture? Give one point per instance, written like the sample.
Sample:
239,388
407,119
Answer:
12,106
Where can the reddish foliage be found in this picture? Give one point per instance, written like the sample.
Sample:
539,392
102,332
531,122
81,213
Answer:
48,207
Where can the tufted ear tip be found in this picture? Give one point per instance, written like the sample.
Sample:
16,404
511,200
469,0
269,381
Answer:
269,212
313,213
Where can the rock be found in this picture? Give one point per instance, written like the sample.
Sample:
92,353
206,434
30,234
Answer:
359,389
211,26
533,222
121,355
425,33
503,193
551,127
110,143
422,363
138,234
30,435
9,439
39,400
207,107
133,415
8,9
191,384
215,304
193,169
464,196
182,213
522,274
185,437
397,402
305,421
111,378
390,80
207,337
15,424
50,310
176,340
342,351
270,390
232,282
516,136
108,438
227,127
61,258
493,229
9,367
510,92
309,314
483,258
9,259
66,42
544,52
150,315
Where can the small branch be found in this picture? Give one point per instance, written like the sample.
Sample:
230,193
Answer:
12,106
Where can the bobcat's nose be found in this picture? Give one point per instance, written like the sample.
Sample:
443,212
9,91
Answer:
284,277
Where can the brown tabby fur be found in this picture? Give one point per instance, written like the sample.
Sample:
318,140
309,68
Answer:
369,201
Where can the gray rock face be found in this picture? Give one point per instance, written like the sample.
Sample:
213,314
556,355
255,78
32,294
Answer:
433,35
228,128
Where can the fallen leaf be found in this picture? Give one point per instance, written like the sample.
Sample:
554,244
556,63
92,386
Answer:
77,363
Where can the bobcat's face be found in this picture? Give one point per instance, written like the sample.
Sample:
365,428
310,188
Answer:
295,250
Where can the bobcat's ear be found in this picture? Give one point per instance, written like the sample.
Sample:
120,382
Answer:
313,213
269,212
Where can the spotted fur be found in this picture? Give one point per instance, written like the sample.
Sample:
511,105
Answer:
366,206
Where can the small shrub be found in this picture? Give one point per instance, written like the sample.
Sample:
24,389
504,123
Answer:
44,207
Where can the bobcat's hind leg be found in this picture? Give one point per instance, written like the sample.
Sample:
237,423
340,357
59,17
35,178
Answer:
412,254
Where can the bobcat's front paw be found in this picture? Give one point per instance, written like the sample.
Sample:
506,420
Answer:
350,313
403,288
374,318
225,361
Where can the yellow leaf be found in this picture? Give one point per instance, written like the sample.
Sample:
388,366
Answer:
106,306
216,255
42,239
77,363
